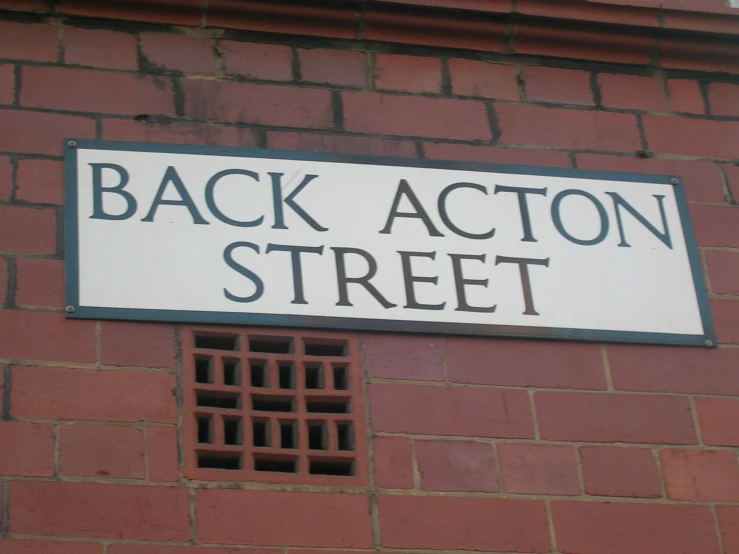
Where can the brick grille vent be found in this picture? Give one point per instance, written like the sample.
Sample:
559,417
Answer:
275,407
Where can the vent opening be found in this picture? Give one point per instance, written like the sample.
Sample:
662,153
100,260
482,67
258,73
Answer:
325,347
317,435
232,431
231,372
314,376
345,436
271,345
328,406
217,342
210,399
278,465
205,429
259,374
288,434
213,460
287,376
341,378
261,436
203,369
272,404
331,467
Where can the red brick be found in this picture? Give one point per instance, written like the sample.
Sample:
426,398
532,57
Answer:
450,411
562,128
701,475
16,138
486,80
494,154
335,67
161,549
630,472
447,523
18,546
603,11
3,281
7,83
724,99
258,518
261,104
538,469
15,43
85,394
723,271
100,48
674,369
177,12
408,73
27,230
709,54
615,418
490,6
162,453
565,86
39,282
632,92
96,91
403,357
728,520
190,55
6,178
691,137
34,335
367,112
314,142
137,344
716,225
622,528
38,6
726,320
178,133
685,96
719,421
393,462
41,181
538,364
26,449
272,62
702,180
101,451
99,511
457,466
732,175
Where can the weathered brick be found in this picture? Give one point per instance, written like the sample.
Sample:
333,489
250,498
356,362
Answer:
26,449
723,271
615,418
100,48
483,524
272,62
674,369
701,475
20,546
162,453
190,55
263,104
99,511
457,466
486,80
39,282
563,128
610,471
726,320
347,144
137,344
407,73
685,96
621,528
732,176
7,83
257,518
632,92
403,357
162,549
715,225
368,112
719,421
451,411
540,364
14,43
30,335
334,67
538,469
724,99
84,394
16,138
393,462
728,520
564,86
175,12
178,133
3,280
27,230
101,451
691,137
6,178
41,181
702,180
496,154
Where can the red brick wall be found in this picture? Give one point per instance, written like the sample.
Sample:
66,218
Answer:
477,445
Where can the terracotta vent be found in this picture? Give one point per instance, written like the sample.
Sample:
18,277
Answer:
273,406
